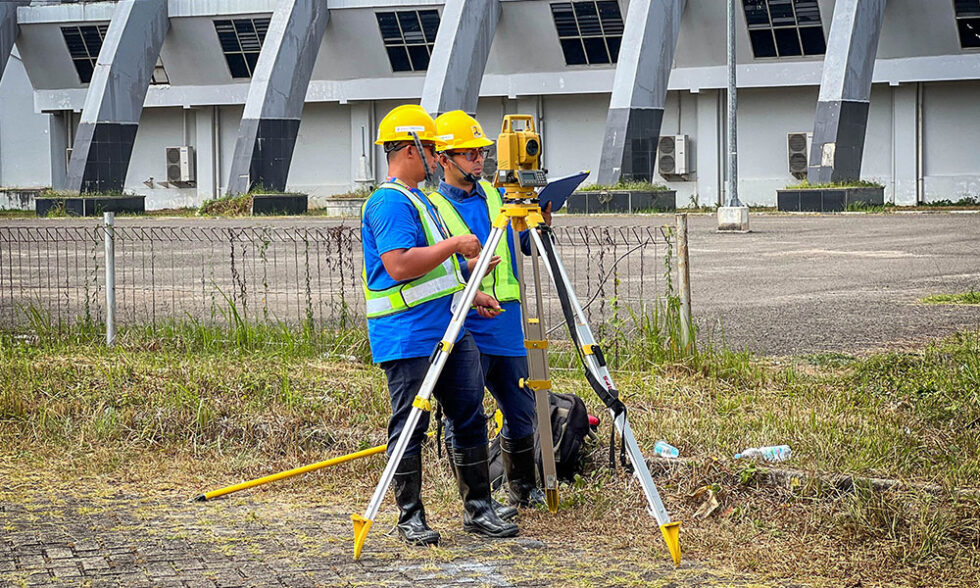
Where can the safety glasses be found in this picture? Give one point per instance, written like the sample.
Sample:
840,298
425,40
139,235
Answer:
471,154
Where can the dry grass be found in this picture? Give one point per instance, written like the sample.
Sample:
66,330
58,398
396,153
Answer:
178,418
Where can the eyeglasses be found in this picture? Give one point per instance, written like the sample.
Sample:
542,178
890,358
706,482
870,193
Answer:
471,154
392,147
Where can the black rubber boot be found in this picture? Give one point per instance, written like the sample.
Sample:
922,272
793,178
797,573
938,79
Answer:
473,475
407,484
504,511
519,469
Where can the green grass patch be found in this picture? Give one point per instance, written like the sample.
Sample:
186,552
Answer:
806,185
634,186
240,205
971,297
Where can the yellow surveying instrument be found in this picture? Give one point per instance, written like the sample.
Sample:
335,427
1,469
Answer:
519,173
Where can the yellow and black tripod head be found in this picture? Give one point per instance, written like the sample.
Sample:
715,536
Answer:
519,158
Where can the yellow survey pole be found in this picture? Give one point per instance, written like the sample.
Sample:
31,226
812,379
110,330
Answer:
290,473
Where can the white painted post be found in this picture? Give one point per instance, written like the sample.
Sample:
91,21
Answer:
109,219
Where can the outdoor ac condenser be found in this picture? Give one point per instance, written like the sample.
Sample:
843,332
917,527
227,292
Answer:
180,165
798,152
673,156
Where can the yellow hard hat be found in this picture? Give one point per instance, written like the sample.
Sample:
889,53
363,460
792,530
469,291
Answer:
459,130
402,121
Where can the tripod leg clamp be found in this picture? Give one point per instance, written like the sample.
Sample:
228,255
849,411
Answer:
422,404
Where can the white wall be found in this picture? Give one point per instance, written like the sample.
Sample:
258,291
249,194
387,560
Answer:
25,155
951,163
574,128
321,163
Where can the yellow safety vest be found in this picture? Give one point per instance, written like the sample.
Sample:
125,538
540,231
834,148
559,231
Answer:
502,284
443,280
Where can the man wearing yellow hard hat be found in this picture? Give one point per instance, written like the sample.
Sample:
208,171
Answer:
413,268
468,205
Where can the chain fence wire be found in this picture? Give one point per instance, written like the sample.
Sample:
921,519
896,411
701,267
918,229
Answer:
220,275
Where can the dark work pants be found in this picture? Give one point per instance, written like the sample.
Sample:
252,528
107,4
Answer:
502,375
459,390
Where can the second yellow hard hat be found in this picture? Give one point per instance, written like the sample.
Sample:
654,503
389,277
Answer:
458,130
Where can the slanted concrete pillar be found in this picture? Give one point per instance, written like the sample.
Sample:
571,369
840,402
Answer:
8,29
845,91
636,108
459,57
107,130
270,123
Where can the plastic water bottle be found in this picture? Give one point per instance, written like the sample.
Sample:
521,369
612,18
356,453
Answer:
772,453
664,449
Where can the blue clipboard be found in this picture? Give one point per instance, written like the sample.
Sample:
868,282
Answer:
558,190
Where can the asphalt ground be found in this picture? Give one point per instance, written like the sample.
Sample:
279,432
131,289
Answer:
795,284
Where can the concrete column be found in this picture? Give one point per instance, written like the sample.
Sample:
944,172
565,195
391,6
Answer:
270,123
58,123
362,134
8,29
204,150
636,107
905,144
709,147
114,103
459,57
845,91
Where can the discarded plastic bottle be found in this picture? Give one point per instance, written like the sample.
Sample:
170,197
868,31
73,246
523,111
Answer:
773,453
664,449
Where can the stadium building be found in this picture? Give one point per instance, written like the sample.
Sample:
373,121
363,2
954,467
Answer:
186,100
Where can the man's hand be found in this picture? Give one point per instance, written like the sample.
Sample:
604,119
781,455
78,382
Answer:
546,214
486,305
471,264
466,245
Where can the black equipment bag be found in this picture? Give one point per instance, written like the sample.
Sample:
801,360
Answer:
569,428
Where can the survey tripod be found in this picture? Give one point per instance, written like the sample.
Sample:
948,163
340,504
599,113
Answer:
518,174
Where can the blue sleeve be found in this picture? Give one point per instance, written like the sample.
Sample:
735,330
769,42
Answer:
525,242
463,268
393,221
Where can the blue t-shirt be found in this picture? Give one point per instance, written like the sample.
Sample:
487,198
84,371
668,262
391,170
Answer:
390,221
504,334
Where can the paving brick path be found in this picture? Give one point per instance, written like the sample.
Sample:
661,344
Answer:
133,541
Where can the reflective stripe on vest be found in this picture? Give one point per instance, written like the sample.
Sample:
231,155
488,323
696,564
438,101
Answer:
443,280
501,283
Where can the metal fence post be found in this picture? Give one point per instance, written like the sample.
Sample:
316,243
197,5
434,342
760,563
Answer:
684,280
109,219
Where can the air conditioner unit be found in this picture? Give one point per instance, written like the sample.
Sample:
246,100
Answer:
180,165
673,156
798,152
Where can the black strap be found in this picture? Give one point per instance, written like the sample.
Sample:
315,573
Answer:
438,416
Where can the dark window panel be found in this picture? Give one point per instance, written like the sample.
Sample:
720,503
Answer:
411,29
613,43
93,40
227,36
756,13
967,7
588,19
236,65
398,57
261,27
247,35
762,43
430,24
781,12
419,54
574,53
610,17
388,23
969,32
807,12
84,69
564,19
595,50
813,40
103,29
788,42
251,59
73,40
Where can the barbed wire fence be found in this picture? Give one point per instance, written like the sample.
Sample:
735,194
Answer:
55,274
